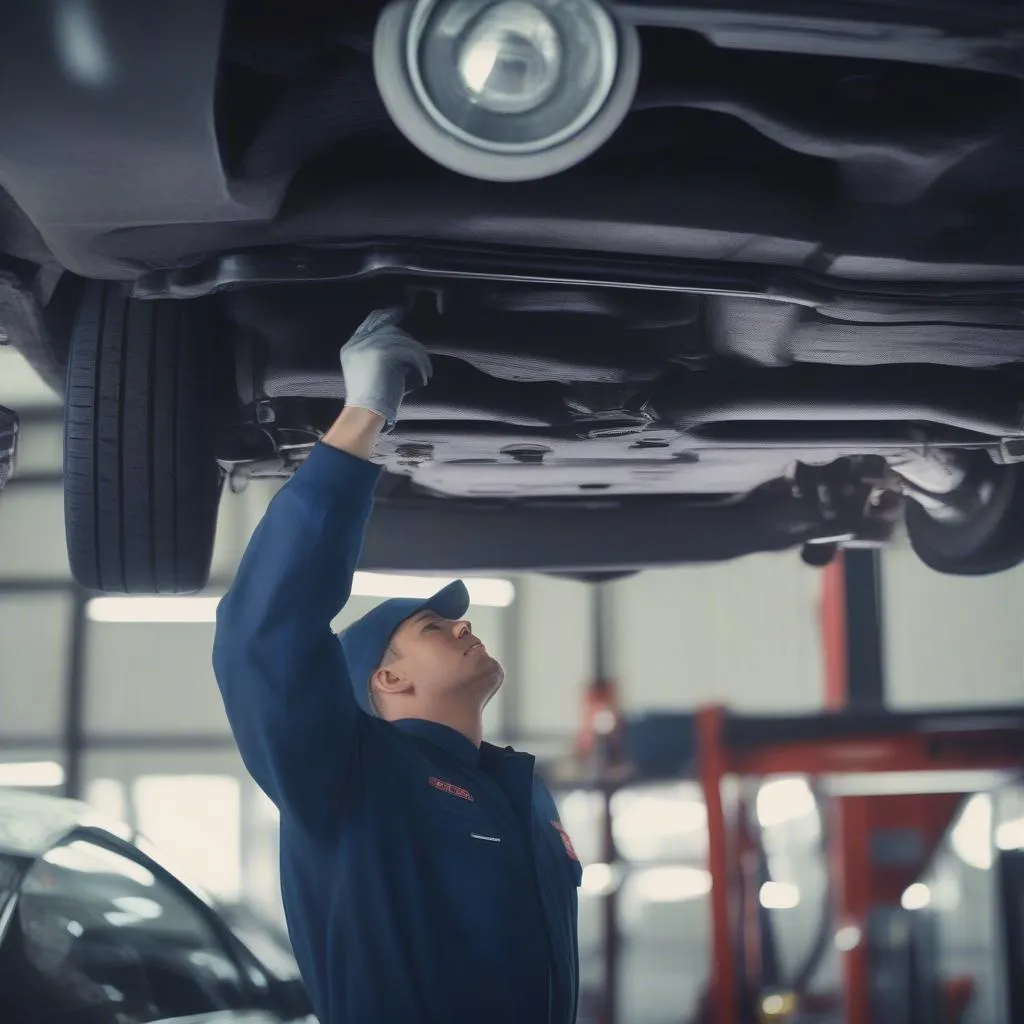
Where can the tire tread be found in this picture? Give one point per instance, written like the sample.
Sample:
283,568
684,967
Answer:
141,481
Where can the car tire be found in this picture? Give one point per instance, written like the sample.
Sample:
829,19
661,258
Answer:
141,481
989,540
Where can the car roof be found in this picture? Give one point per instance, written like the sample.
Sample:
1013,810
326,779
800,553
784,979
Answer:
30,823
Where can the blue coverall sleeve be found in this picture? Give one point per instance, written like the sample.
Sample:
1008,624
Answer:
280,669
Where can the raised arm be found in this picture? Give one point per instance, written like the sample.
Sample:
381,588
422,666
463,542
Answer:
279,667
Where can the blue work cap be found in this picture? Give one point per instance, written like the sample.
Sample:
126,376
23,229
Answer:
365,641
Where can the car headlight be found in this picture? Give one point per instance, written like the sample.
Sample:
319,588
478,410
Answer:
507,90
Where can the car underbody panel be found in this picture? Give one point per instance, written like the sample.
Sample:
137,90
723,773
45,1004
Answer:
801,250
859,138
544,390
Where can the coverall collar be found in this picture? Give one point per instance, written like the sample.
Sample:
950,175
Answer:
443,736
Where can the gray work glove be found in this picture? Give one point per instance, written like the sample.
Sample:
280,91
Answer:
381,363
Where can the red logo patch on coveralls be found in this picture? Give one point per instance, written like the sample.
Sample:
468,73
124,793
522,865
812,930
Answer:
566,841
451,789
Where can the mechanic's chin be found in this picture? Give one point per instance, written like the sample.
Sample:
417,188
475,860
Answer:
493,674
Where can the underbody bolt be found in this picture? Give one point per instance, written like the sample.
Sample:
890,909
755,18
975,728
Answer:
415,452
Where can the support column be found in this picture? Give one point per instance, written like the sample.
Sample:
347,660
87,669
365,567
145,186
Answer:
605,725
851,624
865,668
74,697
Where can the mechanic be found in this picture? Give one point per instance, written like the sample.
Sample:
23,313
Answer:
425,873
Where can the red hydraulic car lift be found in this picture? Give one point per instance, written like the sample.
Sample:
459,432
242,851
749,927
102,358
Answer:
845,741
832,744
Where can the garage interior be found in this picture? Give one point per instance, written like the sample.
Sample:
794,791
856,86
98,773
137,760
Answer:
796,792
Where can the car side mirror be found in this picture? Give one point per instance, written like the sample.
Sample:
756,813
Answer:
8,443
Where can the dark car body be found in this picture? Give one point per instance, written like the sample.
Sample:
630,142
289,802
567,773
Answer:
769,296
94,931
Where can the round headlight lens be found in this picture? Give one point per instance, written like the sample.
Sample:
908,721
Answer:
511,76
510,60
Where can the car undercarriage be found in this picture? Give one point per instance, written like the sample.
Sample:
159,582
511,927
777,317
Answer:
777,303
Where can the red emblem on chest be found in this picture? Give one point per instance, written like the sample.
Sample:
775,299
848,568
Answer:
566,841
451,789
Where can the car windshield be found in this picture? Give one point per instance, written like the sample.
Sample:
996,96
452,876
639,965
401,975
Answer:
94,925
268,942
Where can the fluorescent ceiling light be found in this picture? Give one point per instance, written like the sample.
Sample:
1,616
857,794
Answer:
153,609
484,592
659,824
971,836
599,879
967,780
783,800
675,884
916,897
779,896
36,774
1010,835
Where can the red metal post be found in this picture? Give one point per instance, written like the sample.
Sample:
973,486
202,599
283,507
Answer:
600,739
849,853
713,766
833,632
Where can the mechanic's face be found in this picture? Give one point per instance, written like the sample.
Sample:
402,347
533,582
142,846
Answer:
437,661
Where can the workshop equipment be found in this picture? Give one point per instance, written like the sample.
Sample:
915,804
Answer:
887,835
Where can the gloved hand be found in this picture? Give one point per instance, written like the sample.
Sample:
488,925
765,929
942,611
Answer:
381,363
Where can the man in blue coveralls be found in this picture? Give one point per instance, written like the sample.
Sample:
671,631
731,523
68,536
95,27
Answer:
425,874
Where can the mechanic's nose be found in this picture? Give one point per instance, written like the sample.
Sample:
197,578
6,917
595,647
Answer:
462,627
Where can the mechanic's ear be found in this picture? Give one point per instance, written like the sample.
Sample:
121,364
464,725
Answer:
390,681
